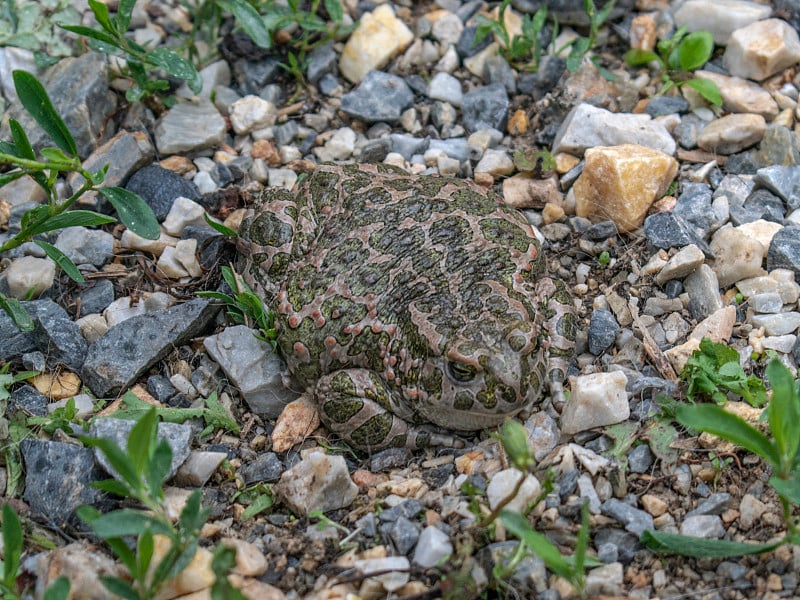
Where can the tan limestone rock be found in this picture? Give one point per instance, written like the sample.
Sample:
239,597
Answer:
762,49
621,182
380,36
742,96
732,133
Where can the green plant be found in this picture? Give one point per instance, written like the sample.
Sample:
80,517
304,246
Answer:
257,498
604,259
571,568
714,370
12,555
678,57
522,51
780,450
54,214
539,163
139,61
213,414
142,470
245,307
581,45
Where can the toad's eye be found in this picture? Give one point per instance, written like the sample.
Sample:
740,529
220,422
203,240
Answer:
460,372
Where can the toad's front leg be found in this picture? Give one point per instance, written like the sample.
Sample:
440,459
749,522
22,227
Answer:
357,405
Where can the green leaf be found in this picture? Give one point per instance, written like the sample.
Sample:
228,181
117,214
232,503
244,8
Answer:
707,89
144,551
109,42
695,50
100,11
58,590
219,227
134,213
635,57
62,260
14,309
177,66
193,516
21,142
261,503
34,98
674,543
119,587
112,486
124,12
127,521
783,413
158,468
249,20
118,460
12,544
142,440
335,12
714,419
538,543
787,488
72,218
125,554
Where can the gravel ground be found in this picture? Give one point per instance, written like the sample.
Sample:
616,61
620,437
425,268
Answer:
704,244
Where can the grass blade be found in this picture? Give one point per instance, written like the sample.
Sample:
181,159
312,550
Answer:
674,543
62,260
34,98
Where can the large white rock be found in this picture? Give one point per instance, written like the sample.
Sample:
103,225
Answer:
720,17
380,36
587,126
595,400
30,274
762,49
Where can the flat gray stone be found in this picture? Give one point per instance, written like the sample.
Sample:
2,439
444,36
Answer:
116,360
188,127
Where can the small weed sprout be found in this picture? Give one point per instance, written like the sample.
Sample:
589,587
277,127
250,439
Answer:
780,450
678,57
521,51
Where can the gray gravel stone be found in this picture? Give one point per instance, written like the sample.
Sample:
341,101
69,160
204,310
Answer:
95,299
58,479
16,342
321,61
715,504
635,520
640,459
267,467
379,97
784,250
667,230
30,400
703,526
61,341
433,548
403,534
177,435
485,107
253,367
666,105
116,360
783,181
86,246
159,187
603,329
190,127
703,289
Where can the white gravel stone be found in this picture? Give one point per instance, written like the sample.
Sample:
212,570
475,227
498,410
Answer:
605,581
92,327
433,548
596,400
84,404
169,266
184,212
445,87
768,302
318,482
737,256
779,324
447,28
495,162
587,126
750,511
686,260
199,467
394,570
779,343
29,274
136,242
204,182
732,133
742,96
703,526
251,113
189,127
762,49
720,17
380,35
760,230
284,178
503,484
447,166
339,147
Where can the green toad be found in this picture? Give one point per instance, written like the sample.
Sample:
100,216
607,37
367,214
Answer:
406,302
